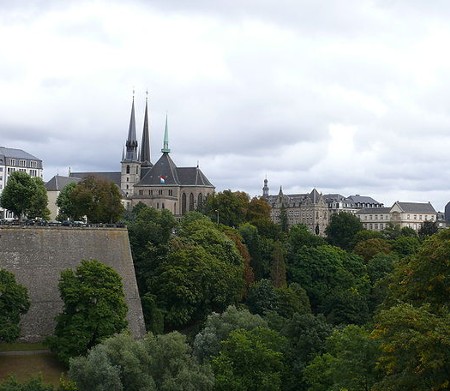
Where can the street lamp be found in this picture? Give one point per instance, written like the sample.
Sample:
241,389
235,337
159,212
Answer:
217,215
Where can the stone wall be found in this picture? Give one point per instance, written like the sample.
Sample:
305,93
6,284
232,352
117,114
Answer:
37,255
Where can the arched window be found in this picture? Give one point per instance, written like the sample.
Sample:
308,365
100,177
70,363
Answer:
191,201
128,169
175,208
199,200
183,203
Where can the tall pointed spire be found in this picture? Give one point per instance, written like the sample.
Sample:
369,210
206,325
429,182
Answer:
166,149
145,143
131,144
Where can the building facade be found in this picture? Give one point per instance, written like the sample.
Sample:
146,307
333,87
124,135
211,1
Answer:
313,209
12,160
403,214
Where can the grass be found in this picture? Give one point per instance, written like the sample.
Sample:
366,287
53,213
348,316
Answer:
8,347
24,367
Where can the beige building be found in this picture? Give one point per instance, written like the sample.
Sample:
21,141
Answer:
403,214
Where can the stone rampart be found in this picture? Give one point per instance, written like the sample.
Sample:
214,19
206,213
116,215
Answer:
37,255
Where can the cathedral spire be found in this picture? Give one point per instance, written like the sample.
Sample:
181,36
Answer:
145,143
131,144
166,149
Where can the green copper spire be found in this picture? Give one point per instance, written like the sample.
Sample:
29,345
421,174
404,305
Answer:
166,139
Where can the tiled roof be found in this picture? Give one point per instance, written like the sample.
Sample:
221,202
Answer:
374,210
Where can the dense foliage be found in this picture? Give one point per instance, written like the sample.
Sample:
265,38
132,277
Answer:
25,196
94,308
13,303
96,198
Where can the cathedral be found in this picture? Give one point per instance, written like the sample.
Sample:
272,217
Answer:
161,185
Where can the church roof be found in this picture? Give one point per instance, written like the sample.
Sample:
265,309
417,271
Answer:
165,172
58,182
109,176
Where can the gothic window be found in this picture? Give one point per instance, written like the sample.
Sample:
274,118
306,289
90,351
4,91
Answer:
200,200
191,201
128,169
183,203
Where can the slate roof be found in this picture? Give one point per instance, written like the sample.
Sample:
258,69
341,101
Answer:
58,182
416,207
8,153
165,172
110,176
374,210
362,199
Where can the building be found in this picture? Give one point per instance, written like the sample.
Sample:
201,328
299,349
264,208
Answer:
54,187
162,185
313,209
11,160
403,214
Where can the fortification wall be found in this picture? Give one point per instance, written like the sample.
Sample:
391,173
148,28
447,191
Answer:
37,255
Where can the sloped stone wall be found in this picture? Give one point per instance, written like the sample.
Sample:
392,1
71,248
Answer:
37,255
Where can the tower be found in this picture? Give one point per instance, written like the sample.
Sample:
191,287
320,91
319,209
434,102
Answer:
144,156
131,167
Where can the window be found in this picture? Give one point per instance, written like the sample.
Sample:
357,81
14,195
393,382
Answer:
34,164
170,192
141,192
33,172
22,163
415,217
160,191
128,169
13,162
150,192
163,205
157,205
191,201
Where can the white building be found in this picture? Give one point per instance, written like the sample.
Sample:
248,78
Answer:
403,214
11,160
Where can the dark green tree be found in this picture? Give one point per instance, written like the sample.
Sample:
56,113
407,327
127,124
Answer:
406,245
202,272
34,384
342,229
367,249
227,207
428,228
306,335
97,199
25,196
250,360
349,362
94,308
67,208
13,303
219,326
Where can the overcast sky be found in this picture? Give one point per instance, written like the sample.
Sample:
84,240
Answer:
349,97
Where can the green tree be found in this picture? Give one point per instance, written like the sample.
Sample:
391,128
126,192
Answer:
155,363
202,272
250,360
342,229
284,221
335,281
94,308
13,303
406,245
227,207
97,199
428,228
306,335
348,364
34,384
219,326
300,235
278,266
367,249
25,195
415,346
67,208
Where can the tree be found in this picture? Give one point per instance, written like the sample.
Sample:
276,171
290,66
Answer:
342,230
67,208
306,335
13,303
202,272
94,308
367,249
34,384
335,281
155,363
349,362
227,207
278,266
25,195
250,360
219,326
428,228
406,245
97,199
